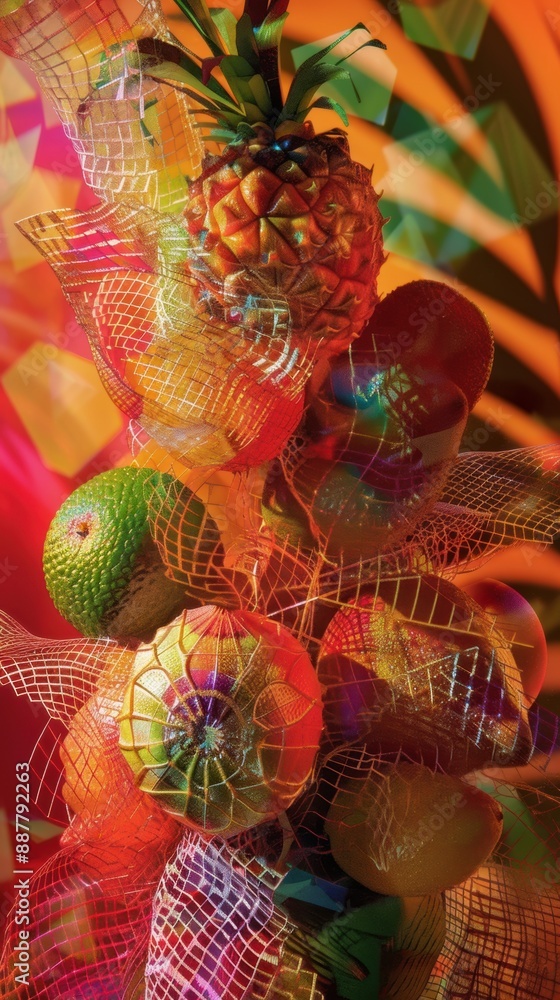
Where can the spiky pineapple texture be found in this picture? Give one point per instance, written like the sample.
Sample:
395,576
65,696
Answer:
282,214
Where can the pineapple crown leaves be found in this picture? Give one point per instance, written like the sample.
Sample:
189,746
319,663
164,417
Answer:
247,52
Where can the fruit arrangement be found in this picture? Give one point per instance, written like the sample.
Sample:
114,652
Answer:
285,733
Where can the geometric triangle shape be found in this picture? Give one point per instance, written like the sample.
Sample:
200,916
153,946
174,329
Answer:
407,240
454,26
14,88
63,406
42,193
6,854
17,156
41,830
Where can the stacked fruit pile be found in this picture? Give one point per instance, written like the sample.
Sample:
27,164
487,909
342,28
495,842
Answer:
277,718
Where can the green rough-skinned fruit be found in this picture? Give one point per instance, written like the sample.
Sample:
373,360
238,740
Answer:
102,568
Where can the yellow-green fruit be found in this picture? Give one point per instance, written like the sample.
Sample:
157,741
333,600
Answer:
102,568
405,831
222,719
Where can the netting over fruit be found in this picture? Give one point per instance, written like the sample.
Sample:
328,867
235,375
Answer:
209,392
233,938
221,720
134,137
309,763
291,943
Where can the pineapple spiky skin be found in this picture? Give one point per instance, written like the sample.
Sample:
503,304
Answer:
289,216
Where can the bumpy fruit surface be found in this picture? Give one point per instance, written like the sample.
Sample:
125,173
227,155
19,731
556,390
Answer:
289,218
102,569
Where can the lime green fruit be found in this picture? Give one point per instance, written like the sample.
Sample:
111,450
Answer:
102,568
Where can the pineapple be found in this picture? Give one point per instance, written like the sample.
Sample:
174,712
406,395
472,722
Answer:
281,214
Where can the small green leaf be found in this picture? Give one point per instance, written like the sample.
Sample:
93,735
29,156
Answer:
179,77
238,73
269,34
238,66
252,112
261,95
221,135
315,72
318,56
198,14
308,83
371,43
244,131
154,51
329,105
245,41
227,26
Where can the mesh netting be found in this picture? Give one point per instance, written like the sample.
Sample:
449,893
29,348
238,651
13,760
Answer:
232,937
209,392
490,501
134,137
221,720
414,665
84,928
506,934
59,674
235,902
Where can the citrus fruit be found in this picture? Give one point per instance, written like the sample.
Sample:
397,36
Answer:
406,831
102,568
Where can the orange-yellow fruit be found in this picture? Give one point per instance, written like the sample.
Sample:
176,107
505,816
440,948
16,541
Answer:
216,394
115,825
408,832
